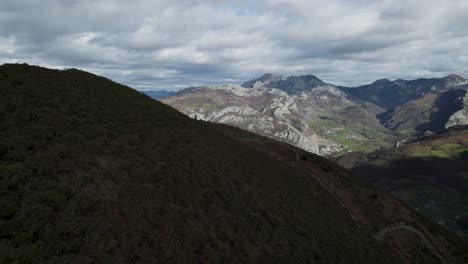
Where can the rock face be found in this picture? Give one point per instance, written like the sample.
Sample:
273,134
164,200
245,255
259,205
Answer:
300,110
263,111
460,118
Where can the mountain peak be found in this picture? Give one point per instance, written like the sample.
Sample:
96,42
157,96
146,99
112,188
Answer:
384,80
454,77
267,76
290,84
454,80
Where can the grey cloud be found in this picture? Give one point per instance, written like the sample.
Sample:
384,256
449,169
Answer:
173,44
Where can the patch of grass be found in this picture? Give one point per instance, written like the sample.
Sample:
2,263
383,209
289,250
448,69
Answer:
380,163
368,139
447,150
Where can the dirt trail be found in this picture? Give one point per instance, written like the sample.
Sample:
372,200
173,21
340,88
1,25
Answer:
328,189
380,235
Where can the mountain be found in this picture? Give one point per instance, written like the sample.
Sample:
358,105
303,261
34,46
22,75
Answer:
431,112
417,106
93,171
329,120
302,111
291,84
158,94
390,94
430,174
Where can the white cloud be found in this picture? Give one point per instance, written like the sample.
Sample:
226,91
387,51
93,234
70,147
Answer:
171,44
7,45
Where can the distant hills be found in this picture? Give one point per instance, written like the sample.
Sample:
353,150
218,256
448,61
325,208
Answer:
158,94
327,119
93,171
391,94
417,106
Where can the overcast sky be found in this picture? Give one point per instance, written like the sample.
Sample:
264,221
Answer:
179,43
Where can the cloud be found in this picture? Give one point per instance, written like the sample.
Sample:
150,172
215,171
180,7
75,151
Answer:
174,44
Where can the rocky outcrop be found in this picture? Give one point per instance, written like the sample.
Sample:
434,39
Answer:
460,117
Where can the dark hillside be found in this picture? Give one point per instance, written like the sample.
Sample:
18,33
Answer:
430,174
391,94
94,172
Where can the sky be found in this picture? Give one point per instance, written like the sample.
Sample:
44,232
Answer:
151,45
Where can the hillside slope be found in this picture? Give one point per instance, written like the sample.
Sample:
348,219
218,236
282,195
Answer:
95,172
416,107
430,174
390,94
432,112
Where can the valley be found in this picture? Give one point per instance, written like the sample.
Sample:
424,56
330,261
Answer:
429,174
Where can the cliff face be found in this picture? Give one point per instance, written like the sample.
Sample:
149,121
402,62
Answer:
460,118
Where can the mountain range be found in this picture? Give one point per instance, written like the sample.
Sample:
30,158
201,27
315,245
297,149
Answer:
96,172
330,120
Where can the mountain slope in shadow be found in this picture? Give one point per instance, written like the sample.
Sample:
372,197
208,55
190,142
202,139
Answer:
430,174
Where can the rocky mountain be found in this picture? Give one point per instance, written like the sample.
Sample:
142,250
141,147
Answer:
330,120
93,171
431,112
460,117
390,94
159,94
430,174
291,84
300,110
418,106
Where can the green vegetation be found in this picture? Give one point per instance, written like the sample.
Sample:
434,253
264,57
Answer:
429,174
380,163
446,150
355,137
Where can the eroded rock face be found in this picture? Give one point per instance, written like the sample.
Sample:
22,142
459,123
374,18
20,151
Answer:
269,112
